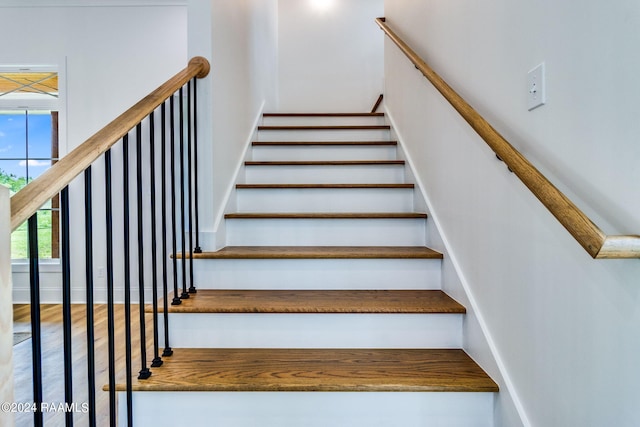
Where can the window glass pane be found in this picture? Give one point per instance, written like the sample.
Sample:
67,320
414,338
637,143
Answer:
19,242
44,234
13,135
39,128
35,167
29,145
13,175
20,238
17,162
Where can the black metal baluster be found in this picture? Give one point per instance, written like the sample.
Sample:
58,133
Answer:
185,294
157,361
192,288
36,334
127,277
197,249
167,349
88,232
176,298
110,305
144,371
66,304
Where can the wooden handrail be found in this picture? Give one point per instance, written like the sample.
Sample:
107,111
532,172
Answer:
28,200
590,237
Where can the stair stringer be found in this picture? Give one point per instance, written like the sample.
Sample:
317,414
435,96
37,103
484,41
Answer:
477,339
217,238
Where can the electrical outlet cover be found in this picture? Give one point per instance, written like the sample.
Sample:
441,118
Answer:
536,95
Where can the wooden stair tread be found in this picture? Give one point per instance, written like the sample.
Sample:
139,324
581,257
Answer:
325,127
326,163
317,301
322,143
411,370
320,252
325,215
323,115
366,186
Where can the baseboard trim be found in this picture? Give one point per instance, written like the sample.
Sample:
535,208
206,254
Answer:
219,229
450,256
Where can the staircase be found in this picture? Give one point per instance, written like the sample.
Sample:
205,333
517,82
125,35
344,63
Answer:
326,286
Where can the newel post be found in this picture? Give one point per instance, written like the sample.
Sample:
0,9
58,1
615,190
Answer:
6,309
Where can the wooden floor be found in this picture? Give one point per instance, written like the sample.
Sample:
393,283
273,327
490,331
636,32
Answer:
316,186
52,359
326,163
264,369
323,115
317,301
323,143
236,369
320,252
325,215
338,127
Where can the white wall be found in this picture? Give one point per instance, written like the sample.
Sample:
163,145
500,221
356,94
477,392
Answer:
329,60
114,56
6,309
563,326
239,37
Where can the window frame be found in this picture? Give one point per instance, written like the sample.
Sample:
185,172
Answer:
54,104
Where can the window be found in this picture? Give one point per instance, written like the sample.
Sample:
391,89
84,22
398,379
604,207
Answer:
29,145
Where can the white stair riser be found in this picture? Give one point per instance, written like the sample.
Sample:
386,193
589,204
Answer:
317,274
323,121
325,200
361,174
325,232
324,135
290,409
307,330
319,153
261,330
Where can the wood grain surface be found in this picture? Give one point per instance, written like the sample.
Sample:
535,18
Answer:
326,127
26,201
264,186
317,301
320,252
585,231
410,370
321,143
326,163
326,215
323,115
52,358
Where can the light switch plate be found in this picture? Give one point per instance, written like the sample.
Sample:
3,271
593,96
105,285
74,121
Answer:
536,95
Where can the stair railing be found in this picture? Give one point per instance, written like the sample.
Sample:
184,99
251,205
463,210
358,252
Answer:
139,125
586,232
